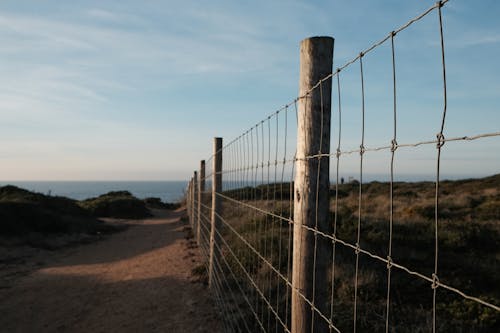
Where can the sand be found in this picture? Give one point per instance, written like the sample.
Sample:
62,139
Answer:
137,280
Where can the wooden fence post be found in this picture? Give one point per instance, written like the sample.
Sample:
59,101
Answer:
191,202
191,189
311,253
195,198
201,190
188,199
216,210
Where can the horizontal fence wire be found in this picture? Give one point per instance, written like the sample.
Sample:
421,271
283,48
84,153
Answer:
379,277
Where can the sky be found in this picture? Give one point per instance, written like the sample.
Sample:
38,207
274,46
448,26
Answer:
136,90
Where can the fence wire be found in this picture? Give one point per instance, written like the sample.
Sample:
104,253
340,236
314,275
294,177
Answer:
378,277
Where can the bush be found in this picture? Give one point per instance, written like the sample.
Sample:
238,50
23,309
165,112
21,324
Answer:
157,203
22,212
119,204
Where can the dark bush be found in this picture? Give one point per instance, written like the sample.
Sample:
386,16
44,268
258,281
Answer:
157,203
119,204
23,212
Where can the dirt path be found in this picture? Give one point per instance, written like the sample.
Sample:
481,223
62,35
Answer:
138,280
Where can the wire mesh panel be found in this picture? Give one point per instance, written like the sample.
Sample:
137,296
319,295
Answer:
404,257
255,231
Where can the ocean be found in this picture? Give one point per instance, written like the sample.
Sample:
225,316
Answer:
168,191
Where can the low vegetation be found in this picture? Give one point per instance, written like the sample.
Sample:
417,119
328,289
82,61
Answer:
33,218
23,212
118,204
468,257
158,204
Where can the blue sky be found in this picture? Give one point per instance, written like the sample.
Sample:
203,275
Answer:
121,90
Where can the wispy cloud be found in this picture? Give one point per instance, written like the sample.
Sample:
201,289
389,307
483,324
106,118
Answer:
77,78
477,39
104,14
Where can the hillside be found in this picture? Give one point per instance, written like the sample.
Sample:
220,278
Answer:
468,254
24,213
118,204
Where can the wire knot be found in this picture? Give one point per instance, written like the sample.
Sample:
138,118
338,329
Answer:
440,139
394,145
338,153
389,262
439,4
358,249
435,281
334,239
393,33
361,150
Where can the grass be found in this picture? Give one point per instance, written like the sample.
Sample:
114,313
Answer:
468,242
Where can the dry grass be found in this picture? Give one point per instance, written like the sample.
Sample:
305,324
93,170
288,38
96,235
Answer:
469,255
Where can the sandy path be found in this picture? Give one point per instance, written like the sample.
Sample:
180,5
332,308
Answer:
138,280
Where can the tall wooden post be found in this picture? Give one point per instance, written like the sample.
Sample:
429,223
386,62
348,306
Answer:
311,201
201,190
216,209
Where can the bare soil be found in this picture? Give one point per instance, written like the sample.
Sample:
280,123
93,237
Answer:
138,280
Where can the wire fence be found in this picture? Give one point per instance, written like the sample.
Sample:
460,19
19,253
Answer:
387,257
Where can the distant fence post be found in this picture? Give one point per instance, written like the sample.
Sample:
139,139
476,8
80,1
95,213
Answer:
201,190
188,199
311,201
216,209
195,198
191,201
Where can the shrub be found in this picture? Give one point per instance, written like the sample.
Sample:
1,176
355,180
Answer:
157,203
22,212
119,204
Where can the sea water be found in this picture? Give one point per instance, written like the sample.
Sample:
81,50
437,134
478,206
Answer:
174,191
168,191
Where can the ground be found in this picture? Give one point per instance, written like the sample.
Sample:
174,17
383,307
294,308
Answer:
137,280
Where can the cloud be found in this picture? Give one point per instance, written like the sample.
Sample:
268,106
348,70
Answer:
212,48
478,39
104,14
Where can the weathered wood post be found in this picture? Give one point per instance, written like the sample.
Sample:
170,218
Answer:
191,192
201,190
311,201
188,200
195,198
191,201
216,209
